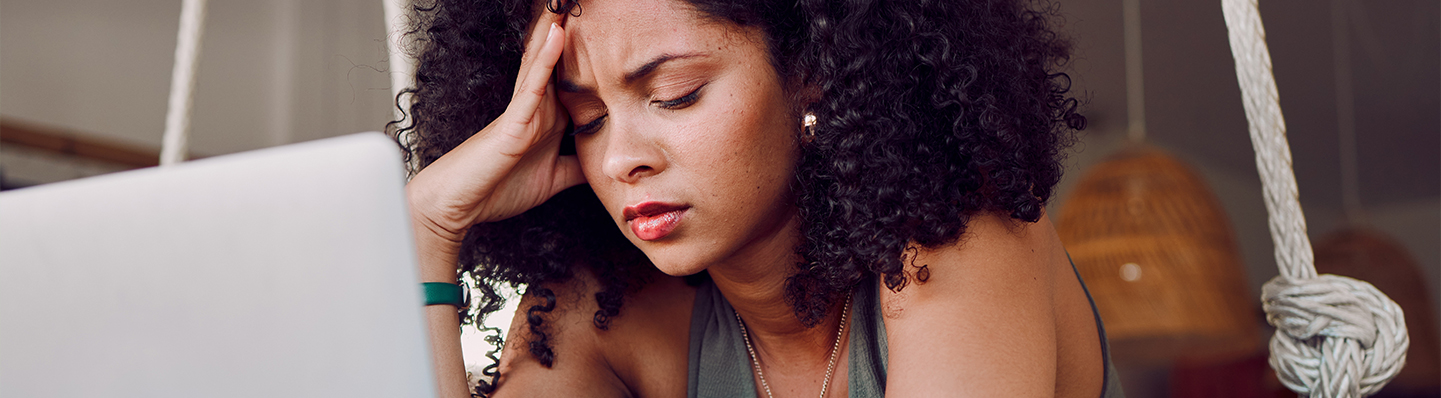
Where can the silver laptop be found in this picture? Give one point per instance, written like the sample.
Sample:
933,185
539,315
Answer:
284,272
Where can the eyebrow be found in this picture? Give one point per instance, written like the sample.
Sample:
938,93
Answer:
650,67
630,77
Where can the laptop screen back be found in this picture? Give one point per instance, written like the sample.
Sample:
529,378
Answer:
286,272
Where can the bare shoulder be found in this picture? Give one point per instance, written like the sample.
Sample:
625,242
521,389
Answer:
625,359
996,255
979,315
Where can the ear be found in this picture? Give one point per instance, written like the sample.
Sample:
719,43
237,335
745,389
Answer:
804,94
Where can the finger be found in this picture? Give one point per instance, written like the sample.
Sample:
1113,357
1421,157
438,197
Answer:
567,174
553,110
534,83
536,39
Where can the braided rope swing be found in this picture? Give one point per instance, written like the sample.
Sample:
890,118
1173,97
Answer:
174,144
1335,336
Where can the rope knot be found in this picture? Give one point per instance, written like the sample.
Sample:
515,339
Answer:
1335,336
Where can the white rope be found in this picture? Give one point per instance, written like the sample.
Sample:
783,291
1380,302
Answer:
1335,336
402,65
174,144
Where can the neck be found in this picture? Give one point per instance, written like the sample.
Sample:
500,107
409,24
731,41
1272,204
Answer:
754,283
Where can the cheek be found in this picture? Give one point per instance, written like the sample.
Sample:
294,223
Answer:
750,154
764,135
588,152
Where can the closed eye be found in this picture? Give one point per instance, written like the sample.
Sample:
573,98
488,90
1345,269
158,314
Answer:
681,102
588,128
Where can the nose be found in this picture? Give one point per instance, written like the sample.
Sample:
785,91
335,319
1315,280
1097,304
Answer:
632,154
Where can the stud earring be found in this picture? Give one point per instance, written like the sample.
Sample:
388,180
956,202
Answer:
808,131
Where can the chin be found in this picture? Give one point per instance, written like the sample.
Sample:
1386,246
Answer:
673,261
680,271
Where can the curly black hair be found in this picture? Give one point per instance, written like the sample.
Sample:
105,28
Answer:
930,111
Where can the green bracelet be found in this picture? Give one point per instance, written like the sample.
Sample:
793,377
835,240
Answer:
444,293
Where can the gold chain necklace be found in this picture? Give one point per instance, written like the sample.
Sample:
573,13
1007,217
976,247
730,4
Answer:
830,366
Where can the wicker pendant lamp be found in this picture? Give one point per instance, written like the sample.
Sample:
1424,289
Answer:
1154,246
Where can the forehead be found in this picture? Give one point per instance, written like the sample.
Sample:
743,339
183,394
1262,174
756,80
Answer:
613,36
600,14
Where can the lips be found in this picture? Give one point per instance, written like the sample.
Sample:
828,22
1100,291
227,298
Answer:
653,220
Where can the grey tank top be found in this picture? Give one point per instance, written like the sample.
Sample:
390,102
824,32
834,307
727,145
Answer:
720,366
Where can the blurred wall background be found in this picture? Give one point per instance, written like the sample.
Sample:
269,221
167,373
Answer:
273,72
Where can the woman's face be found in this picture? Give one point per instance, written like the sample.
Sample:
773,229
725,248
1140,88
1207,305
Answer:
683,130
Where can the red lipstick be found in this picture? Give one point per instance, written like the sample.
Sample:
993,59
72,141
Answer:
653,220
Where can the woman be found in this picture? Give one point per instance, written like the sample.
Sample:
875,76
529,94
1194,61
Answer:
780,198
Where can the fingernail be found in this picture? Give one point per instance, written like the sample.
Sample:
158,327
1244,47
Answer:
553,29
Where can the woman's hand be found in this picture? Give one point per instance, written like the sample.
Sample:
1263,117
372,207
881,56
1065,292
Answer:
510,166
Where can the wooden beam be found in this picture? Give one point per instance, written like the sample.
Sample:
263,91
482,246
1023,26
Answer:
75,144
